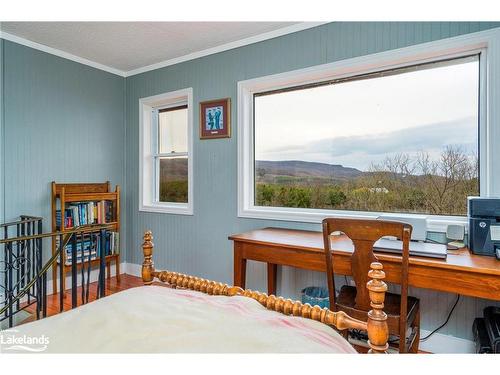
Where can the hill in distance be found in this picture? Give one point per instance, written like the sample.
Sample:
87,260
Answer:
299,168
172,169
267,171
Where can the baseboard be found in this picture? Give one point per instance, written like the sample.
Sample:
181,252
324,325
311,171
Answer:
437,343
445,344
132,269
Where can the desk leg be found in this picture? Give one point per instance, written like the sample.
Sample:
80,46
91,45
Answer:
272,269
240,267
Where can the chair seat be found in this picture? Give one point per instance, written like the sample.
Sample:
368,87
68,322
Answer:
346,302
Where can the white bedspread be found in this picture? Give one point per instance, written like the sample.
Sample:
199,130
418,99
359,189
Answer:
154,319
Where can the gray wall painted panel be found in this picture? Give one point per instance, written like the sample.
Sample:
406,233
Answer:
198,244
63,121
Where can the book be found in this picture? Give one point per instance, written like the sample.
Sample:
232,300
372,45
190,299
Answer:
85,213
90,245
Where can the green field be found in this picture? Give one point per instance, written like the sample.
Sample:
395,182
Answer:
399,184
175,191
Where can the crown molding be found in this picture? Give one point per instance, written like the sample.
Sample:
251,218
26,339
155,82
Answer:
209,51
59,53
227,46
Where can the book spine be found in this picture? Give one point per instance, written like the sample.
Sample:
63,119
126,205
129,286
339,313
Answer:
76,217
84,213
103,212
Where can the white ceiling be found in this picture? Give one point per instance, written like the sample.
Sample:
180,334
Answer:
129,46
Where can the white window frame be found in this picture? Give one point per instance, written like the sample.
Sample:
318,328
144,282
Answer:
148,138
483,42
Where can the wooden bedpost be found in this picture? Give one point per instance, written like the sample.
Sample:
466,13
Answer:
378,332
148,266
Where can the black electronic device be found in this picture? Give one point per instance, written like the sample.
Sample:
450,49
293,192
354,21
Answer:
484,225
481,337
492,324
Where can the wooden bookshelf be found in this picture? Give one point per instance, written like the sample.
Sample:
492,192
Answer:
64,194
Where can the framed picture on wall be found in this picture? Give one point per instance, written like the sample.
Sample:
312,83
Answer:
215,119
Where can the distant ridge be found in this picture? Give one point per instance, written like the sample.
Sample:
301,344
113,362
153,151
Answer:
299,168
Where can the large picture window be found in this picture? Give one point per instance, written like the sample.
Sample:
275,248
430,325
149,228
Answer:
402,140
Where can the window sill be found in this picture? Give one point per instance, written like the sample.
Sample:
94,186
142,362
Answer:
435,223
171,208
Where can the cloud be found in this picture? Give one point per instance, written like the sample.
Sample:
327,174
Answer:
429,138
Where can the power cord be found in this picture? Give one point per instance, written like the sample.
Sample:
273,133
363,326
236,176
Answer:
356,334
445,322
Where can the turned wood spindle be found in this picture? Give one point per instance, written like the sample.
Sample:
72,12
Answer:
378,331
148,266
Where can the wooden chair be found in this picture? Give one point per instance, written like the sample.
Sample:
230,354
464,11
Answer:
403,312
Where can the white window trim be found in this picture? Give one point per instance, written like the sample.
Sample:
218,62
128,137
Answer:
486,42
147,183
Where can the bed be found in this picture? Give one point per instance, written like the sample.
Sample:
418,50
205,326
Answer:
193,315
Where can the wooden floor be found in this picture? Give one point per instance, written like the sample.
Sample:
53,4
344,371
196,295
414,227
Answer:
112,287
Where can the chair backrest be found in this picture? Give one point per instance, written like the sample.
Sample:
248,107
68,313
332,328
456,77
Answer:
364,233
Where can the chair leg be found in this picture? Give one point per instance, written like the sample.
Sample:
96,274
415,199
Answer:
402,345
402,337
416,340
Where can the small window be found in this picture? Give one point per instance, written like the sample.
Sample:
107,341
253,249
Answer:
166,146
171,156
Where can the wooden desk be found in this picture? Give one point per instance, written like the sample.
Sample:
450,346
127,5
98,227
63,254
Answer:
462,272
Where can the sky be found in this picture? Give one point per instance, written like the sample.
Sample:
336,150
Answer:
360,123
173,132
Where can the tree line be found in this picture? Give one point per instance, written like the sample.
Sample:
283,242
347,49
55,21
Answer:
401,183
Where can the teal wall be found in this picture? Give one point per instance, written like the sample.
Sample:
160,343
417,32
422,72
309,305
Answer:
198,244
63,121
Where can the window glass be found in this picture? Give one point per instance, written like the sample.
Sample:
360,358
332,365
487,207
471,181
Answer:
172,130
399,141
173,179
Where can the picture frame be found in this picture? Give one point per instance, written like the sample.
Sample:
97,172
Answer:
215,119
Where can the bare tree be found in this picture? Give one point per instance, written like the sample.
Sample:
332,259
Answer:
440,185
448,180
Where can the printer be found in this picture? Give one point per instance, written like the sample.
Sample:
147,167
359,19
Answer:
484,225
